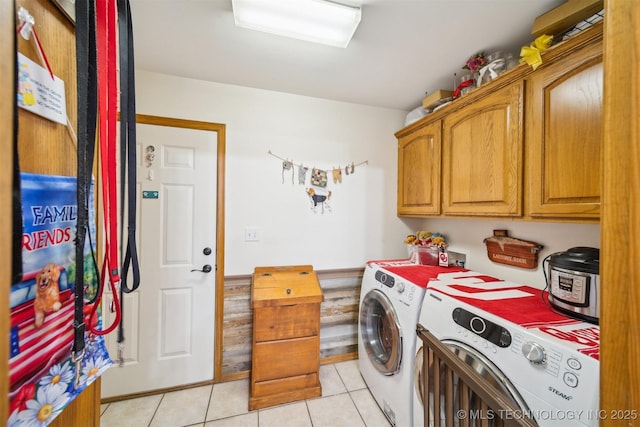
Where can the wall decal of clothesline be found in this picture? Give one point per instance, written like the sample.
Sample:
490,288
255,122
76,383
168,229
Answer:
318,190
318,176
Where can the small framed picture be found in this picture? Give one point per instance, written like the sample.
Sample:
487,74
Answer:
68,7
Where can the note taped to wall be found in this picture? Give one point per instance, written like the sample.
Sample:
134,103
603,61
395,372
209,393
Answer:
39,93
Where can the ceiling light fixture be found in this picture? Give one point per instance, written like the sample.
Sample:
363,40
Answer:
317,21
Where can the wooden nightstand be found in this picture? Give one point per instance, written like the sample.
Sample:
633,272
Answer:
286,335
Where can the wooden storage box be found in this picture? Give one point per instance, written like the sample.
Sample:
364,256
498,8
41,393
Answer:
285,359
433,100
565,16
510,251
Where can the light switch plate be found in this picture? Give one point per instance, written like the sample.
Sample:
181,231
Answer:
251,234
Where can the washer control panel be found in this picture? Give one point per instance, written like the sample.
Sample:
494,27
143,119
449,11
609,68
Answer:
404,293
482,327
386,279
564,367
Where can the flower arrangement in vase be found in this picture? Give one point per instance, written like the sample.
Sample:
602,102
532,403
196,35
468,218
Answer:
468,81
475,62
424,246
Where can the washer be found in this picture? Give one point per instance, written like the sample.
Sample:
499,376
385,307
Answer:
546,362
391,297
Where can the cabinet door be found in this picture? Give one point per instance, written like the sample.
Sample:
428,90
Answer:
285,358
419,171
482,156
564,137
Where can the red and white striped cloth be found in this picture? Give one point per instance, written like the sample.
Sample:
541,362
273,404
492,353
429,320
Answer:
40,348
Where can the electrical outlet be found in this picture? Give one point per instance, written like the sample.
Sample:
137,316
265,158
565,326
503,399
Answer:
457,258
251,234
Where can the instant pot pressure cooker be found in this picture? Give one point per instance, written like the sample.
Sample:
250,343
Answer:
574,283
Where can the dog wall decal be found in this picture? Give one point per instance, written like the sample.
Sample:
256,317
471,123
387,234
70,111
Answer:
319,199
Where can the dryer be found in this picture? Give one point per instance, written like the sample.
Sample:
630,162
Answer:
391,297
546,362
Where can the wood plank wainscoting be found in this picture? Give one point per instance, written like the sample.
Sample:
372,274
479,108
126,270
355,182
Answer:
338,320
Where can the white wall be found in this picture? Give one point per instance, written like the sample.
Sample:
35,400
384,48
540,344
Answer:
362,225
467,236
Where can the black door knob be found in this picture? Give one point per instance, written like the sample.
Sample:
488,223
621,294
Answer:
207,251
205,269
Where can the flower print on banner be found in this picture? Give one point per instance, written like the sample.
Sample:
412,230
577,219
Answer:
40,411
58,376
26,393
50,393
38,404
92,368
13,419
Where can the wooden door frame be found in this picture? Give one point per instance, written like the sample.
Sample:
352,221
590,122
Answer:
620,220
220,219
7,97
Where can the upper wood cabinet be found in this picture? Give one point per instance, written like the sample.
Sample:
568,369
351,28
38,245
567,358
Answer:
419,171
527,144
482,156
564,137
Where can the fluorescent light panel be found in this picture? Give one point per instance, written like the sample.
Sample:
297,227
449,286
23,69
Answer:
315,21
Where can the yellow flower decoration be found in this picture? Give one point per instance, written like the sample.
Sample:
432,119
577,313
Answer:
531,54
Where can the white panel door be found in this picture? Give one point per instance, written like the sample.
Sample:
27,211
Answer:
169,321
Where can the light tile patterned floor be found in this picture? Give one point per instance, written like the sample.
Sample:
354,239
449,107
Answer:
345,402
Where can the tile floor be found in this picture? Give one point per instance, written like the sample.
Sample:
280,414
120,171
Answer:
345,402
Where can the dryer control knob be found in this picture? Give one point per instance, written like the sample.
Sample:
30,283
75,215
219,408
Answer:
400,287
534,352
